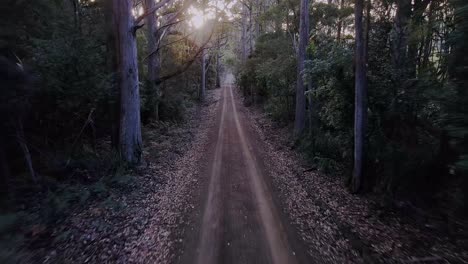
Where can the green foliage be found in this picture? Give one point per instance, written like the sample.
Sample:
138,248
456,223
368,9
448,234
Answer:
330,74
59,106
417,125
457,123
269,76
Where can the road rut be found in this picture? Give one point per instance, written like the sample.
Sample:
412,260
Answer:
239,221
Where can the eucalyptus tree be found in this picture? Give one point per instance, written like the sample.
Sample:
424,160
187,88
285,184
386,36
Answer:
203,76
211,19
130,142
360,99
153,59
300,113
125,28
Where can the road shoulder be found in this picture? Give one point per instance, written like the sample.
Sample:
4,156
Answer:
142,224
338,227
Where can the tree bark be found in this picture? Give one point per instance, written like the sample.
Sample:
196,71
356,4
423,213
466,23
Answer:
340,21
360,112
217,67
400,32
243,35
251,36
367,30
203,77
154,65
299,120
428,37
130,142
417,22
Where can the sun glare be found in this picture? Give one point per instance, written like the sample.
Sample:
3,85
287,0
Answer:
198,17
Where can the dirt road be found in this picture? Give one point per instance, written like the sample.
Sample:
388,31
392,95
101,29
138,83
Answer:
238,220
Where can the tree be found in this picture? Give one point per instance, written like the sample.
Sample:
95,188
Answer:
458,121
340,21
300,113
360,100
400,32
203,76
130,142
154,63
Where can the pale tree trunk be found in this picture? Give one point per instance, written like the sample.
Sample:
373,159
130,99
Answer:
217,65
203,79
251,47
299,121
329,30
250,30
244,34
428,37
340,21
154,66
278,20
418,20
130,142
367,30
360,107
257,20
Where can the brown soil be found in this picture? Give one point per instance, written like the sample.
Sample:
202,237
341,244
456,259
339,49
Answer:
238,220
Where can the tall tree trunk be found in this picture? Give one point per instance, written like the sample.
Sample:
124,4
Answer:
217,65
257,22
367,30
251,37
428,37
329,29
360,112
203,77
243,35
130,142
299,120
400,33
417,22
153,59
340,21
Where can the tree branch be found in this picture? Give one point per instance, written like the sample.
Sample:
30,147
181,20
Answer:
151,11
165,45
187,64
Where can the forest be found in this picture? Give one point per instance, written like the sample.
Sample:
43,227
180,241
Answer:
179,113
403,78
